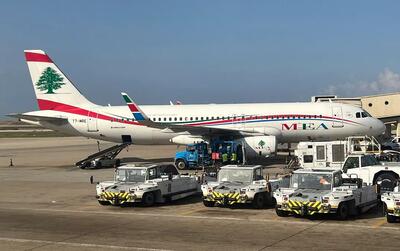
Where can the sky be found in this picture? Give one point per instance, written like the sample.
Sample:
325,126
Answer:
202,51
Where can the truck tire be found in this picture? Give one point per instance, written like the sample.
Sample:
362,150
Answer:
387,181
281,213
103,203
390,218
207,203
148,199
343,211
258,201
181,164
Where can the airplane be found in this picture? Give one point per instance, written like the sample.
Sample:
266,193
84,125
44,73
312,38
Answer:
260,126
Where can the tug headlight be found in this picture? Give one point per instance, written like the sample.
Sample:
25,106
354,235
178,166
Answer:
243,191
285,197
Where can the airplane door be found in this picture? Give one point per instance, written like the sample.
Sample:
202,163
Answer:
239,121
92,122
337,114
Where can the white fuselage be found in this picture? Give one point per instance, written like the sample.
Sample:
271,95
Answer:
289,122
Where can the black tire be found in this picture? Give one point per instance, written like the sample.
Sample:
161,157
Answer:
103,203
343,211
207,203
149,199
259,201
272,202
390,218
84,165
181,164
387,181
281,213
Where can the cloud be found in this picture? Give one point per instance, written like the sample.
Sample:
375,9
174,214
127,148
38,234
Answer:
388,81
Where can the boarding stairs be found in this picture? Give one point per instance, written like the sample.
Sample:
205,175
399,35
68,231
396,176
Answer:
109,153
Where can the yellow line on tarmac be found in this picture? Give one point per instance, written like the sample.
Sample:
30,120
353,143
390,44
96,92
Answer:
379,223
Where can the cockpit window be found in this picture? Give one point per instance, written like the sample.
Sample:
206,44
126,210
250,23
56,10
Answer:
366,114
362,115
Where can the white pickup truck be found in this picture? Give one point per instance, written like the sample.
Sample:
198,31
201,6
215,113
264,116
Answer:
371,171
147,184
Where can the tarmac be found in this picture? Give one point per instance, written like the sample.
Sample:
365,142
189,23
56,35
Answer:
47,203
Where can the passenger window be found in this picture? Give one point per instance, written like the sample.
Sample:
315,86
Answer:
351,162
308,158
258,174
364,161
152,173
337,180
320,152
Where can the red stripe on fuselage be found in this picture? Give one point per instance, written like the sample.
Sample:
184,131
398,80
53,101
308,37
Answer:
37,57
60,107
270,118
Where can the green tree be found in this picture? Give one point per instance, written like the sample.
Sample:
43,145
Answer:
50,80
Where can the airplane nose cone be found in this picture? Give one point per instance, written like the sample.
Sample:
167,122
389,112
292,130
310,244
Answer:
380,127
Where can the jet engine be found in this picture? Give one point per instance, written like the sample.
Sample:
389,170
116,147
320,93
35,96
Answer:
187,139
260,146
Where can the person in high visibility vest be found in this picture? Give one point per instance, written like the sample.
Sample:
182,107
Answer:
224,157
234,158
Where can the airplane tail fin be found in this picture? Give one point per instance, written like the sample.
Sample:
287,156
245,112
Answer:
52,88
137,113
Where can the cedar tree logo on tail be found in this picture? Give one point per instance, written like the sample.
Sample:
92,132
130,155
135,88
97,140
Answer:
49,81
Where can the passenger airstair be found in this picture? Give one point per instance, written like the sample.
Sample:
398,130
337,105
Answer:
109,153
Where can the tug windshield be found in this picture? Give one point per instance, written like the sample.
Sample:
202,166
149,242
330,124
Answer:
234,175
319,181
130,175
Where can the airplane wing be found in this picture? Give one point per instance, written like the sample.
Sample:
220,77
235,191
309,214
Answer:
203,130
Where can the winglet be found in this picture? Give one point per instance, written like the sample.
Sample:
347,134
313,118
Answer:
136,111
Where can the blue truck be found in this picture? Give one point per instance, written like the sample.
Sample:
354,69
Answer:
213,154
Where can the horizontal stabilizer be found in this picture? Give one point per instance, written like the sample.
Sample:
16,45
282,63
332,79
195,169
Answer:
38,118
